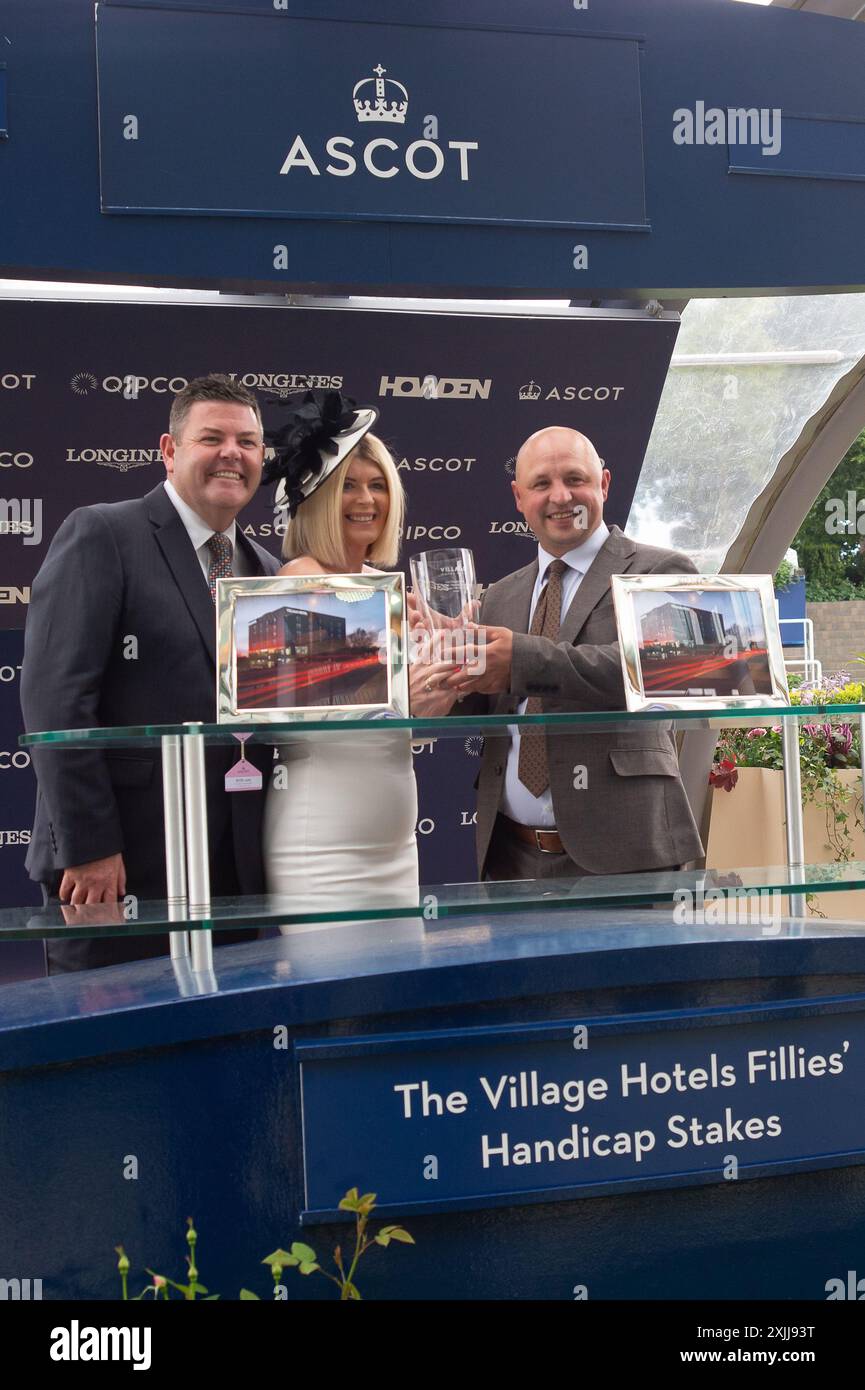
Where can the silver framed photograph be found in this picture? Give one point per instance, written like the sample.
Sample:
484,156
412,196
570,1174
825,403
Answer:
699,641
309,647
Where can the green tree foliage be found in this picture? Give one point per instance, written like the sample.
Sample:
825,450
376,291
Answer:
834,559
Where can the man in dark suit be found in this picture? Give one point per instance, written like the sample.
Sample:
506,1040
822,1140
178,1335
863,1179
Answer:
603,801
122,631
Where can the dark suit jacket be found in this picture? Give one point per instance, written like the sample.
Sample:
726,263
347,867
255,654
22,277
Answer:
122,630
633,813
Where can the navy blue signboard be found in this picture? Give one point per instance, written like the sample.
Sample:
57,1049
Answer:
479,1117
608,151
397,121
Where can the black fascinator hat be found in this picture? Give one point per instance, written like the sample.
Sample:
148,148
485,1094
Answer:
321,429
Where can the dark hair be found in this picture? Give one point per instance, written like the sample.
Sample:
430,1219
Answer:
214,387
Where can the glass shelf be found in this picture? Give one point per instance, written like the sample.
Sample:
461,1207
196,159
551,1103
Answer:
450,726
443,902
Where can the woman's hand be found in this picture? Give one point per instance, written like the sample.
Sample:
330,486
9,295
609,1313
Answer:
428,697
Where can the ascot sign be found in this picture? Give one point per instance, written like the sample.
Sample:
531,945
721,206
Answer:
381,100
365,120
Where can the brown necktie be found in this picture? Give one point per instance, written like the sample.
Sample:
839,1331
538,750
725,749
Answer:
533,769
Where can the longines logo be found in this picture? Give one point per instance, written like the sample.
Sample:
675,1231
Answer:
22,516
511,528
14,837
385,101
282,383
13,381
10,594
130,386
437,465
433,533
121,459
437,388
533,392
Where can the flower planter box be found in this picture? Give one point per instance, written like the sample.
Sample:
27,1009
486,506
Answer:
747,830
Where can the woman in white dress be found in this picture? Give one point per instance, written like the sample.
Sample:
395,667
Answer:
339,823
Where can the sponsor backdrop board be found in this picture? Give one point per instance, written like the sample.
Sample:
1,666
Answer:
86,394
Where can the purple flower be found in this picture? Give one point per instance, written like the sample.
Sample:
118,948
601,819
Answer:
756,733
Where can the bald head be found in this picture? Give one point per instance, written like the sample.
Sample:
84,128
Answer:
558,442
560,486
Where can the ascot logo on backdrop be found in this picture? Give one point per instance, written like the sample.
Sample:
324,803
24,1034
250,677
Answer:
533,392
13,381
384,101
439,464
121,459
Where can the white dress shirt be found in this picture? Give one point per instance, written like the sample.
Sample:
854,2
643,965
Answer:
199,533
518,803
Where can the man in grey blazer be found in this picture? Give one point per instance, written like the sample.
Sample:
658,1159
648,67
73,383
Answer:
122,631
594,802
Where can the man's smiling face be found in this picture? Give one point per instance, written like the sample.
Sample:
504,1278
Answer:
560,488
216,463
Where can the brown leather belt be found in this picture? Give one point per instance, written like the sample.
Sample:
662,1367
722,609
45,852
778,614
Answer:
547,841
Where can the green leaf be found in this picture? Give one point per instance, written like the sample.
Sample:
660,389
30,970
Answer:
368,1199
397,1233
309,1267
303,1253
199,1288
281,1258
246,1295
382,1239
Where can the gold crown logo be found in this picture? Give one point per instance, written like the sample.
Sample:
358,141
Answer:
530,392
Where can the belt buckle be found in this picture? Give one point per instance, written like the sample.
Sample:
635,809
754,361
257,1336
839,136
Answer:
538,845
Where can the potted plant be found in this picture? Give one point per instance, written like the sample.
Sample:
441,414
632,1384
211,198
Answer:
746,828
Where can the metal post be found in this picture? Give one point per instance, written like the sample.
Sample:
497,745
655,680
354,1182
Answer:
793,810
175,843
198,867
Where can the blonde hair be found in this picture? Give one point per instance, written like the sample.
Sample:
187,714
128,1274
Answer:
317,529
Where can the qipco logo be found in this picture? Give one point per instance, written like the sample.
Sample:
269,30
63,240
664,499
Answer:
17,759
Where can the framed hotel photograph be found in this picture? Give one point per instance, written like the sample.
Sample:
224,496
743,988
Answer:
309,647
697,641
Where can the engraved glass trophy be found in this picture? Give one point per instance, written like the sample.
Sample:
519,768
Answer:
446,592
